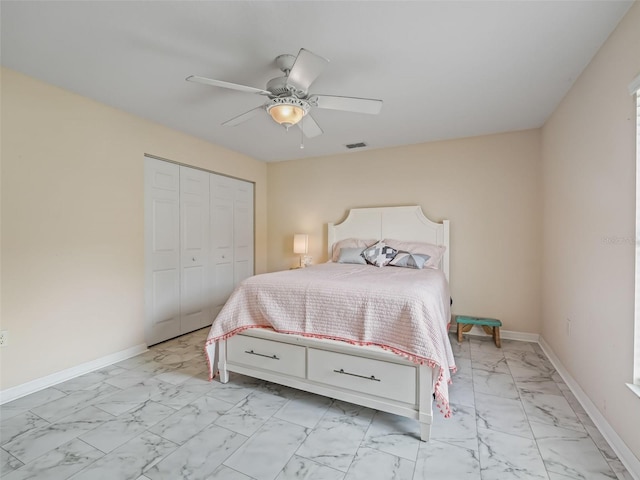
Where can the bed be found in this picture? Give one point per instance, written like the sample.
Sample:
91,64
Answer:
294,328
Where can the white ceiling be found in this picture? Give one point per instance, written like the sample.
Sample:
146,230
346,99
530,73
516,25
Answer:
445,69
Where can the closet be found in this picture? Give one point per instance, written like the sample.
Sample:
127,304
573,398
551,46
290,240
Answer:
198,245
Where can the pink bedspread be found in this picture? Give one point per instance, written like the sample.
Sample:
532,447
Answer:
399,309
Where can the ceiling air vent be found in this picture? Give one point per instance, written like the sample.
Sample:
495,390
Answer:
355,145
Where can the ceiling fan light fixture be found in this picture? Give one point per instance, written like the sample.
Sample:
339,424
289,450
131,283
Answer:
287,111
286,115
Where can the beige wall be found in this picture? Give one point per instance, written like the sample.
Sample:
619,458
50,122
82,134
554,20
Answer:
589,226
488,187
72,224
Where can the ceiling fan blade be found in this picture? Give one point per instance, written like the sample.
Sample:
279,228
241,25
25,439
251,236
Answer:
309,126
307,67
243,117
349,104
232,86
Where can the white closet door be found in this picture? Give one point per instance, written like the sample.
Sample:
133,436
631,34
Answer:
222,195
162,250
243,231
198,246
194,232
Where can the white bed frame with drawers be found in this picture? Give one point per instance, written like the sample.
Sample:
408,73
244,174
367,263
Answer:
363,375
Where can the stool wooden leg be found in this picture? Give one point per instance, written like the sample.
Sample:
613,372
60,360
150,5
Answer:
496,336
488,330
459,333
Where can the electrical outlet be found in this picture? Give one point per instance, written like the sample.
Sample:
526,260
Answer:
4,338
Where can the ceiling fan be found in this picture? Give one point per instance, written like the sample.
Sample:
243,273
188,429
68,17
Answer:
289,100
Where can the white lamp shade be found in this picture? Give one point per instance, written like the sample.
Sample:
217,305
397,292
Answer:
300,243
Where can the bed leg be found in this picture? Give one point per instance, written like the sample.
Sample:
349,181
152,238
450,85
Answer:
222,361
425,401
425,432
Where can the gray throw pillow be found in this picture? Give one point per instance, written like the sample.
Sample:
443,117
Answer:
352,255
379,254
409,260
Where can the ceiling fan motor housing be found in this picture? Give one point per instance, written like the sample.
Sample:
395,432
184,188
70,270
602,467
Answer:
283,86
293,101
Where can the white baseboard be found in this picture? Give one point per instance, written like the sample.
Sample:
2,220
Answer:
521,336
626,456
506,334
14,393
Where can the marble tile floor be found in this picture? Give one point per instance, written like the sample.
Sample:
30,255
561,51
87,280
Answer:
155,416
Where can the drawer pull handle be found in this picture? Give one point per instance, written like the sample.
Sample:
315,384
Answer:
251,352
372,377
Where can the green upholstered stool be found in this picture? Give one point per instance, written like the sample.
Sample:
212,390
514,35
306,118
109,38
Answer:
490,325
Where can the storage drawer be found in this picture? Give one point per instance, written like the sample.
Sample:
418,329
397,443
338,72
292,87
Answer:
267,355
375,377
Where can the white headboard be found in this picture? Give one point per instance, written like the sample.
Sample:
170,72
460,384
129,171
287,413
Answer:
399,223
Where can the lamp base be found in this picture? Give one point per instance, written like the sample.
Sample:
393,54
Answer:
305,261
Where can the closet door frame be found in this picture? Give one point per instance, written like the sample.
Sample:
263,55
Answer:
203,307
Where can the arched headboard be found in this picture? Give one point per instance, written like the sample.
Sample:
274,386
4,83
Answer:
400,223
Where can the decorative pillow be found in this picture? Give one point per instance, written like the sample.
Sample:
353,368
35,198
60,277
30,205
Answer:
352,255
435,252
379,254
409,260
350,243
